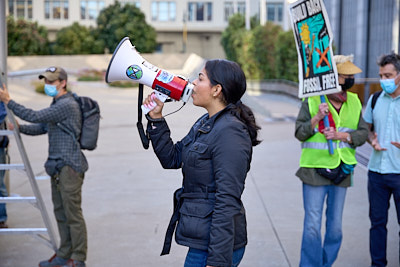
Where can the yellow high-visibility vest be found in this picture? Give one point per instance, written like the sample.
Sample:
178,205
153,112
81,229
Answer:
315,153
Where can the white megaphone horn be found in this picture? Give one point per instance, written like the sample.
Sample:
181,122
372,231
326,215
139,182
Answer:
128,65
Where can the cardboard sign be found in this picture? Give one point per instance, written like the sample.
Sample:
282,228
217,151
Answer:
313,36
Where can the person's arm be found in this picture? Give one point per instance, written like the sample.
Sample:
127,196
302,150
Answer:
305,125
355,138
359,136
33,129
53,114
372,138
168,153
396,144
230,166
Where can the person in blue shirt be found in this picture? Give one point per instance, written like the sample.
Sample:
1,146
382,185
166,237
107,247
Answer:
3,156
384,164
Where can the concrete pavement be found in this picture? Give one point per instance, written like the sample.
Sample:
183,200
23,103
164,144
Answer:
127,196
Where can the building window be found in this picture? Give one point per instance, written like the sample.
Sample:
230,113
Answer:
231,8
200,11
56,9
90,9
241,8
136,3
20,8
275,12
228,10
163,11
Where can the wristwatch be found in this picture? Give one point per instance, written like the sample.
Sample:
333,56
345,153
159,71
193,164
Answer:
348,138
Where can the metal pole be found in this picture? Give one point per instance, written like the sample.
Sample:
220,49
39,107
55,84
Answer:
184,32
247,14
3,41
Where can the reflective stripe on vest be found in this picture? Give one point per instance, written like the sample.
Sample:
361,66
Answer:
315,152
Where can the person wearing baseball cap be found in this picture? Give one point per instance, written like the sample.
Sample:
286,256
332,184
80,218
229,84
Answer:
54,73
52,77
326,176
66,164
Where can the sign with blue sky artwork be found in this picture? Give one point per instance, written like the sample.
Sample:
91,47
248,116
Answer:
313,36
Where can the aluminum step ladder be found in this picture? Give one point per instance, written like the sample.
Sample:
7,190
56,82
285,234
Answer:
45,234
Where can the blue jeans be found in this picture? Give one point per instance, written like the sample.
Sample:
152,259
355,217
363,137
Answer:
198,258
313,252
3,189
380,189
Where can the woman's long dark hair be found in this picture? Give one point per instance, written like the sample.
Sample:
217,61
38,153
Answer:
231,77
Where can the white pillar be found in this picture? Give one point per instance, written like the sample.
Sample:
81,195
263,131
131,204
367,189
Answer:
263,12
247,14
395,27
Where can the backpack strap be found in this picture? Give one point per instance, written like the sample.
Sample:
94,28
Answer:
374,98
68,131
373,103
142,134
65,128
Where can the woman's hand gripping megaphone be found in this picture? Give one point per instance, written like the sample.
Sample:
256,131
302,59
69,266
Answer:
153,104
147,107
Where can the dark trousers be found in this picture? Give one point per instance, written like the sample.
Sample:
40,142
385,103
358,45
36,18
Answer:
380,188
66,190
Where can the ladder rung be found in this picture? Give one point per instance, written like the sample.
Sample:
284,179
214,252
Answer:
6,132
12,167
23,231
43,177
17,199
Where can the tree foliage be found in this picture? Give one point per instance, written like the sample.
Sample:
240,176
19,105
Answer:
264,52
116,22
286,56
232,38
262,49
26,38
77,39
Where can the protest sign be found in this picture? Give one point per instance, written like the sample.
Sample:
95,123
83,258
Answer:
313,36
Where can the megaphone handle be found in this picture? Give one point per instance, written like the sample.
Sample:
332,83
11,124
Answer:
157,94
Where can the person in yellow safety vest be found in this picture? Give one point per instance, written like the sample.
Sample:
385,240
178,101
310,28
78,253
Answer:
327,176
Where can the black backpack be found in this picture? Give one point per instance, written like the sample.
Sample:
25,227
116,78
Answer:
90,123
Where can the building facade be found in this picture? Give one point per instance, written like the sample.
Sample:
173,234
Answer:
192,26
367,29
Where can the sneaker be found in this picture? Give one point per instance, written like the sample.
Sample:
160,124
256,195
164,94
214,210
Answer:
53,261
3,224
74,263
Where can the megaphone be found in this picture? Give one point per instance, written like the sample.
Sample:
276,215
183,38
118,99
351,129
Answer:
128,65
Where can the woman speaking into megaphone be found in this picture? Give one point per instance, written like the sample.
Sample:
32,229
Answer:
215,157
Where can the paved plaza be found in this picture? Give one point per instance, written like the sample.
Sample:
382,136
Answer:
127,196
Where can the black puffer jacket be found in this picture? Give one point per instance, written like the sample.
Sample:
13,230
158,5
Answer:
215,157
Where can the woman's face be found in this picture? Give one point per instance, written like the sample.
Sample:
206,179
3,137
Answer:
203,90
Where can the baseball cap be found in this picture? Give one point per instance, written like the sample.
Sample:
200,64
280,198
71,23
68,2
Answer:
54,73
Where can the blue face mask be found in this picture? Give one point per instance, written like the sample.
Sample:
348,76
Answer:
50,90
388,85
